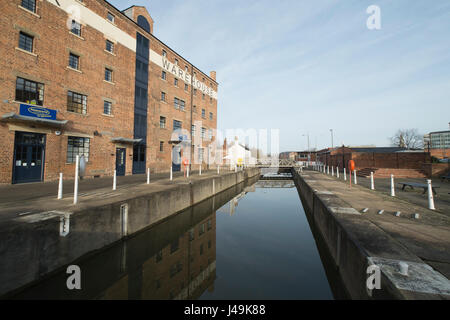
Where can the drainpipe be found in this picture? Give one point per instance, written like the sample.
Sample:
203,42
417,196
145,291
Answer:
192,107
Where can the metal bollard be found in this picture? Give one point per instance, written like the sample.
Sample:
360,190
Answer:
187,172
148,175
354,175
171,174
75,187
430,196
328,169
218,169
332,171
115,180
392,186
345,175
60,186
200,170
372,184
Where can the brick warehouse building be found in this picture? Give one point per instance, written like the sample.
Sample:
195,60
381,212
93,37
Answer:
83,78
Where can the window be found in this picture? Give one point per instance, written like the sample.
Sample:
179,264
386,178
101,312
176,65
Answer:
107,107
108,75
109,46
74,61
186,87
25,42
210,134
163,96
203,133
77,146
210,116
179,104
29,4
164,53
201,229
193,130
162,122
176,125
209,224
176,62
163,75
110,17
203,113
76,28
29,91
76,102
161,146
175,82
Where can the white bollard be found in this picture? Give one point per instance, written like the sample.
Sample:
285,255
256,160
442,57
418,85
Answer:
337,172
345,175
372,184
148,175
218,169
354,175
115,180
392,186
332,171
430,196
187,171
328,169
200,170
60,186
171,174
75,187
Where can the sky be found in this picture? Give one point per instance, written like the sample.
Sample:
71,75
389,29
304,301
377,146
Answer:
307,66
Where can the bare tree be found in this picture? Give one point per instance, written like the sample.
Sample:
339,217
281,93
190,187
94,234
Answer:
407,138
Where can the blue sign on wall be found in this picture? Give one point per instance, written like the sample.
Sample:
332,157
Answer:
30,110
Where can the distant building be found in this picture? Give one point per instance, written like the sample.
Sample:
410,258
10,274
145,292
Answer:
437,143
298,155
238,154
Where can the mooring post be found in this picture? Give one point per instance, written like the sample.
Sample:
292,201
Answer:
187,171
354,173
392,186
345,175
75,187
328,169
372,184
60,186
148,175
115,180
332,171
200,170
337,172
171,174
430,196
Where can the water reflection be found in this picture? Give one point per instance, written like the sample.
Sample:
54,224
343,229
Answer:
249,242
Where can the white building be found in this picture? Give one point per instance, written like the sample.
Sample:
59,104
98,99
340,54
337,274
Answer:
238,154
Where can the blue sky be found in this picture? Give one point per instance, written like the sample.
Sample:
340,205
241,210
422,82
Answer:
308,66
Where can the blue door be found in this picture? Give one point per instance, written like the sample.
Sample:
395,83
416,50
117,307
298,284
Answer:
176,158
120,161
29,150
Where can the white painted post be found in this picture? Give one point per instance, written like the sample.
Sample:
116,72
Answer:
392,186
115,180
200,170
328,169
148,175
354,174
372,184
75,187
60,186
171,174
345,175
187,171
337,172
218,169
332,171
430,196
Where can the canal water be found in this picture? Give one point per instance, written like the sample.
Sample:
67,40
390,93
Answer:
249,242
